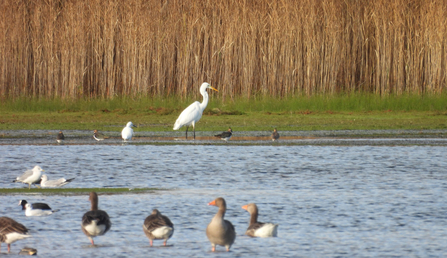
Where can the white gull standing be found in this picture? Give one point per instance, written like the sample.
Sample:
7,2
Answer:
127,132
30,176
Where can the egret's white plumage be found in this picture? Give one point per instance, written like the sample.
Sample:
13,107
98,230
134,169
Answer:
30,176
192,114
54,183
127,132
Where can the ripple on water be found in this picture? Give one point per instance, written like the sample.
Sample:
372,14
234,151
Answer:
328,201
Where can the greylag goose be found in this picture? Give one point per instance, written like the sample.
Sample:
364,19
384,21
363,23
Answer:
220,231
36,209
60,137
30,176
127,132
44,183
192,114
225,135
275,135
158,226
99,136
95,222
11,231
259,229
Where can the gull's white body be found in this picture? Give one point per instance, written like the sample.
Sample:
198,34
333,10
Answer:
30,176
36,212
54,183
127,132
192,114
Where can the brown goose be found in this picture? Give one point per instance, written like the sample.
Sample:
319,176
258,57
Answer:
220,231
157,226
275,135
60,137
11,231
259,229
95,222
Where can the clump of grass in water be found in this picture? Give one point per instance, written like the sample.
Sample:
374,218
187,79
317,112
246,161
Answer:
73,191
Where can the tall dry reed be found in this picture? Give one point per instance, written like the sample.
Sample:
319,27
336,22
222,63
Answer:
106,48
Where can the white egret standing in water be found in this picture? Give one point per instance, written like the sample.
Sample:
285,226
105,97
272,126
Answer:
192,114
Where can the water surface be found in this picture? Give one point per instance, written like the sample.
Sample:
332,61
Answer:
329,201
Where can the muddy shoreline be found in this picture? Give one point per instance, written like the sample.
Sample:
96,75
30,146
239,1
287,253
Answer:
338,137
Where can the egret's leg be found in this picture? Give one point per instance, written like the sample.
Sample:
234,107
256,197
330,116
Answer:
187,132
194,128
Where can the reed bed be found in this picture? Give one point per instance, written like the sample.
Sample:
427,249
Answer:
71,49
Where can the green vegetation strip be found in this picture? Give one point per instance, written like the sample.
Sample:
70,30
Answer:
74,191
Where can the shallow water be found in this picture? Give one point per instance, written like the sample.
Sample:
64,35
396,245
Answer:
329,201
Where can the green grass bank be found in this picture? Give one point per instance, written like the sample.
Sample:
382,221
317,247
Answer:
343,112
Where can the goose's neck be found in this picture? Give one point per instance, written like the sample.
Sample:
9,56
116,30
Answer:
254,217
94,204
221,212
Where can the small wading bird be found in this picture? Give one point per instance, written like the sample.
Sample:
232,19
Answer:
220,231
127,132
259,229
192,114
60,137
36,209
95,222
44,183
275,135
30,176
11,231
225,135
99,136
157,226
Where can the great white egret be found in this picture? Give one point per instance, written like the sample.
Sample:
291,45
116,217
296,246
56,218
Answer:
275,135
192,114
127,132
225,135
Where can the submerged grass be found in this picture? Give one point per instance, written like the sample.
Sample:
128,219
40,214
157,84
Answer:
73,191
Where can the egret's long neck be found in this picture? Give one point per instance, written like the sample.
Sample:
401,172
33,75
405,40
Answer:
205,99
